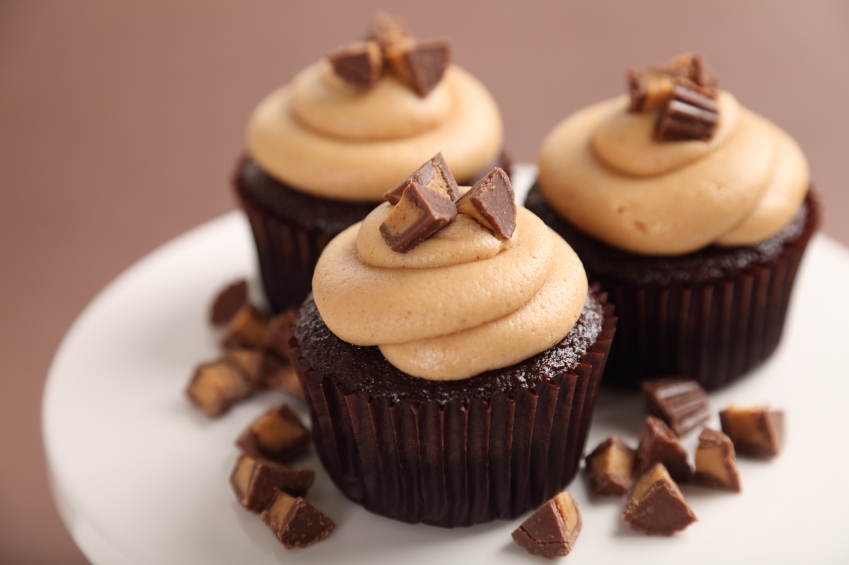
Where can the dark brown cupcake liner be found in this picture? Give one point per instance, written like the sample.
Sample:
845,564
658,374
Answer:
458,463
292,228
287,254
713,328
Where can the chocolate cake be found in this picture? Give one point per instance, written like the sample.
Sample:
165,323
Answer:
451,453
674,310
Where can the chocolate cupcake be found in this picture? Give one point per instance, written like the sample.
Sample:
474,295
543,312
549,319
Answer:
323,149
691,212
452,384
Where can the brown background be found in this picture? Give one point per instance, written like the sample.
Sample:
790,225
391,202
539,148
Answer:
119,125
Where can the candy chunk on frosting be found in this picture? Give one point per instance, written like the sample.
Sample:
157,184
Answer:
446,312
331,140
463,241
625,141
602,171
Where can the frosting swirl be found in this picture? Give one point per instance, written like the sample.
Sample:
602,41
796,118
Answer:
328,139
601,169
460,303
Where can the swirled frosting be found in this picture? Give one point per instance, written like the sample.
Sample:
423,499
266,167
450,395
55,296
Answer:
602,170
460,303
329,139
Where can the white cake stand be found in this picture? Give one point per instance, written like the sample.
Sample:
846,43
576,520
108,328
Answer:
141,477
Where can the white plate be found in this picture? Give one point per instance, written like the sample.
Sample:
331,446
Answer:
141,477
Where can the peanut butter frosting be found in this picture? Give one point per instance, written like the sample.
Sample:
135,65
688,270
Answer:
461,303
602,170
328,139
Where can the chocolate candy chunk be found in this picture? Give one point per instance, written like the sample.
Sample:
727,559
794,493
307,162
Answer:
434,174
264,369
419,64
241,357
690,113
217,386
256,482
358,64
422,64
277,333
651,87
611,467
656,506
277,435
680,402
419,214
658,444
390,32
295,522
696,68
285,379
492,203
715,463
276,371
246,329
755,431
551,531
228,302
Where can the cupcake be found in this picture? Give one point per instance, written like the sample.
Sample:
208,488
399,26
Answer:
691,211
451,382
323,149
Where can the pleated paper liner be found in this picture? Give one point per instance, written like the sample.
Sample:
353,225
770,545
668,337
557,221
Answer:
290,229
712,330
287,256
457,463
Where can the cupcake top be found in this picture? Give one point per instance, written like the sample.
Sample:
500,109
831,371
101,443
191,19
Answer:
351,125
463,301
675,168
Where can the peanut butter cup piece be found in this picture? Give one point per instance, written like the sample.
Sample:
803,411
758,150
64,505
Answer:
217,386
247,360
696,68
277,435
358,65
552,530
658,444
264,369
756,431
716,466
422,64
419,214
285,379
295,522
611,467
247,328
390,32
276,371
679,401
227,302
276,335
492,203
656,506
689,113
434,174
256,482
650,87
